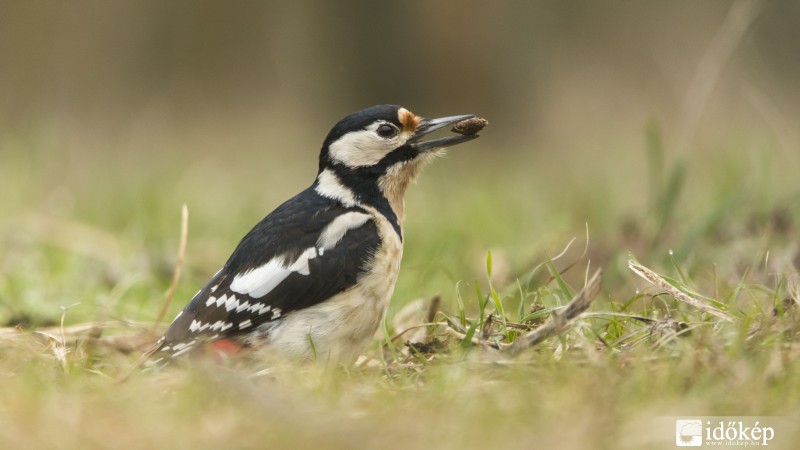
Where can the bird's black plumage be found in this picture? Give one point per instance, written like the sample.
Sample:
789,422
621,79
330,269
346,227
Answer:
286,232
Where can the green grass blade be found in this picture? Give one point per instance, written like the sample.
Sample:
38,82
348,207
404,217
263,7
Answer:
562,285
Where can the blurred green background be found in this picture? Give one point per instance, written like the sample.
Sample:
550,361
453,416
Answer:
656,125
114,114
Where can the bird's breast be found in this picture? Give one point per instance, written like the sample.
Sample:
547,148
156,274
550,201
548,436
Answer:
341,328
379,278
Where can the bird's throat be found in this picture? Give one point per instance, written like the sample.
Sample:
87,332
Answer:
395,181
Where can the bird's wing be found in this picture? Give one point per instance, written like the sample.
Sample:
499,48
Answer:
306,251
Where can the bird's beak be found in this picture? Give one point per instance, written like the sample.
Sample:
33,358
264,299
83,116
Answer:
428,126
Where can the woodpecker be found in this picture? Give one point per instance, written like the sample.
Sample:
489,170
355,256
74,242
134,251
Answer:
314,278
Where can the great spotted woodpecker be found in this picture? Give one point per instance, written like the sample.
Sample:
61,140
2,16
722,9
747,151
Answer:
314,277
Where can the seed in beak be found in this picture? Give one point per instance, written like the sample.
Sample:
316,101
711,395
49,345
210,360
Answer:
471,126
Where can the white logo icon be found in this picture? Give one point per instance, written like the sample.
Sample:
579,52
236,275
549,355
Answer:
688,433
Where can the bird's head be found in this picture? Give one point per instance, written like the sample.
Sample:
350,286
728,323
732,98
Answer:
378,151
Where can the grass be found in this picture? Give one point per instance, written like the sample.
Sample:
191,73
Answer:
94,241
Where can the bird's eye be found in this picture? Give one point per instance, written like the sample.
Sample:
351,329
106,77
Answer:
386,131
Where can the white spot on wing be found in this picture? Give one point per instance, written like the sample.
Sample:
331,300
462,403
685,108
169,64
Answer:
232,303
180,352
183,347
258,308
245,323
211,301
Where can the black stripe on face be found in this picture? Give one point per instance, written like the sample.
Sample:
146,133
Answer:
363,182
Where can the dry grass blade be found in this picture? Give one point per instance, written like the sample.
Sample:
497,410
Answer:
657,281
176,274
128,336
560,321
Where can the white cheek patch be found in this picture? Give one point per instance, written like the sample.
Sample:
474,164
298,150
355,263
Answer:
364,147
359,148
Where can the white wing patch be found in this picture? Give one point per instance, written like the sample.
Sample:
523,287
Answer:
262,280
334,232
